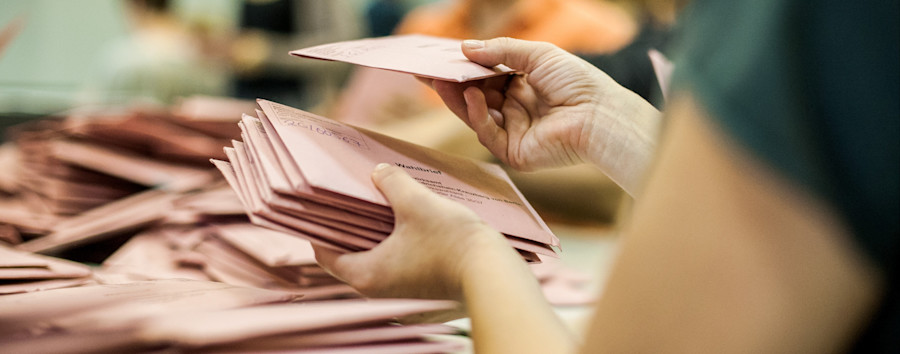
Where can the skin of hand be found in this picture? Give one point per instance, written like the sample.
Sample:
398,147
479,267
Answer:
560,111
435,244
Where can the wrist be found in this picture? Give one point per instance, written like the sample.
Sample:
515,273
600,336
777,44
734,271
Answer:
621,138
489,253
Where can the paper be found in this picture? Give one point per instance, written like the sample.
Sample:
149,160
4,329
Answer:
22,272
277,190
124,214
214,116
75,308
239,324
344,337
149,256
17,265
339,158
273,248
433,57
310,177
117,306
131,167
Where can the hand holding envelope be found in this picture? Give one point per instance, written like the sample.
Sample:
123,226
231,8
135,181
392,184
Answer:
557,114
435,243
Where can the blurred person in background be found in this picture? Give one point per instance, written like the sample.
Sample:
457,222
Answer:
584,26
162,59
398,105
269,29
630,66
767,202
383,16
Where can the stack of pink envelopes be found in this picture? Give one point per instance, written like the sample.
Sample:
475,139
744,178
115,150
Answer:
237,253
211,317
90,158
310,176
22,272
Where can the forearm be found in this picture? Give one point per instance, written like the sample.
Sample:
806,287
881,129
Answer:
508,311
623,149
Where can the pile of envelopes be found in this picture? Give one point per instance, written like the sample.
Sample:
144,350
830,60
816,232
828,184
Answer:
202,316
237,253
105,170
90,158
22,272
310,176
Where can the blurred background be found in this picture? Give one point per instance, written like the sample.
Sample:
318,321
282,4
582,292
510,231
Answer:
111,109
99,54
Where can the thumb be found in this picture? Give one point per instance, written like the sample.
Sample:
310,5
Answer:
398,187
520,55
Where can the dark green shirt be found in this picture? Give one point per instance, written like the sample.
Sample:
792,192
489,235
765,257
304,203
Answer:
813,89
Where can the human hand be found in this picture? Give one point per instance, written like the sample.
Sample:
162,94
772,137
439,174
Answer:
435,244
562,111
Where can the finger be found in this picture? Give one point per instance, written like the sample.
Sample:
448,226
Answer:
328,259
517,54
495,90
452,95
325,256
427,81
523,94
490,134
401,190
497,116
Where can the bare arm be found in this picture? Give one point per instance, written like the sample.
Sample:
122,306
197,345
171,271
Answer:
724,256
562,111
720,255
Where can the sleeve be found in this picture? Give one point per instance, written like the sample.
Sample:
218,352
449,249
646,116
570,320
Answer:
811,89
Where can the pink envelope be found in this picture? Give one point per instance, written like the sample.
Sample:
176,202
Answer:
159,300
259,208
339,158
128,213
18,265
149,255
41,285
434,57
139,169
272,248
231,177
95,307
300,185
419,347
273,179
343,337
216,327
311,211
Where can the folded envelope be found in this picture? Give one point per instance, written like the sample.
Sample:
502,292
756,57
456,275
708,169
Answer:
151,255
216,327
117,306
22,272
333,161
270,247
124,214
356,337
18,265
214,116
434,57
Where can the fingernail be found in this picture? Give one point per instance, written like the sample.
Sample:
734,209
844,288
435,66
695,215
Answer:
473,44
381,166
